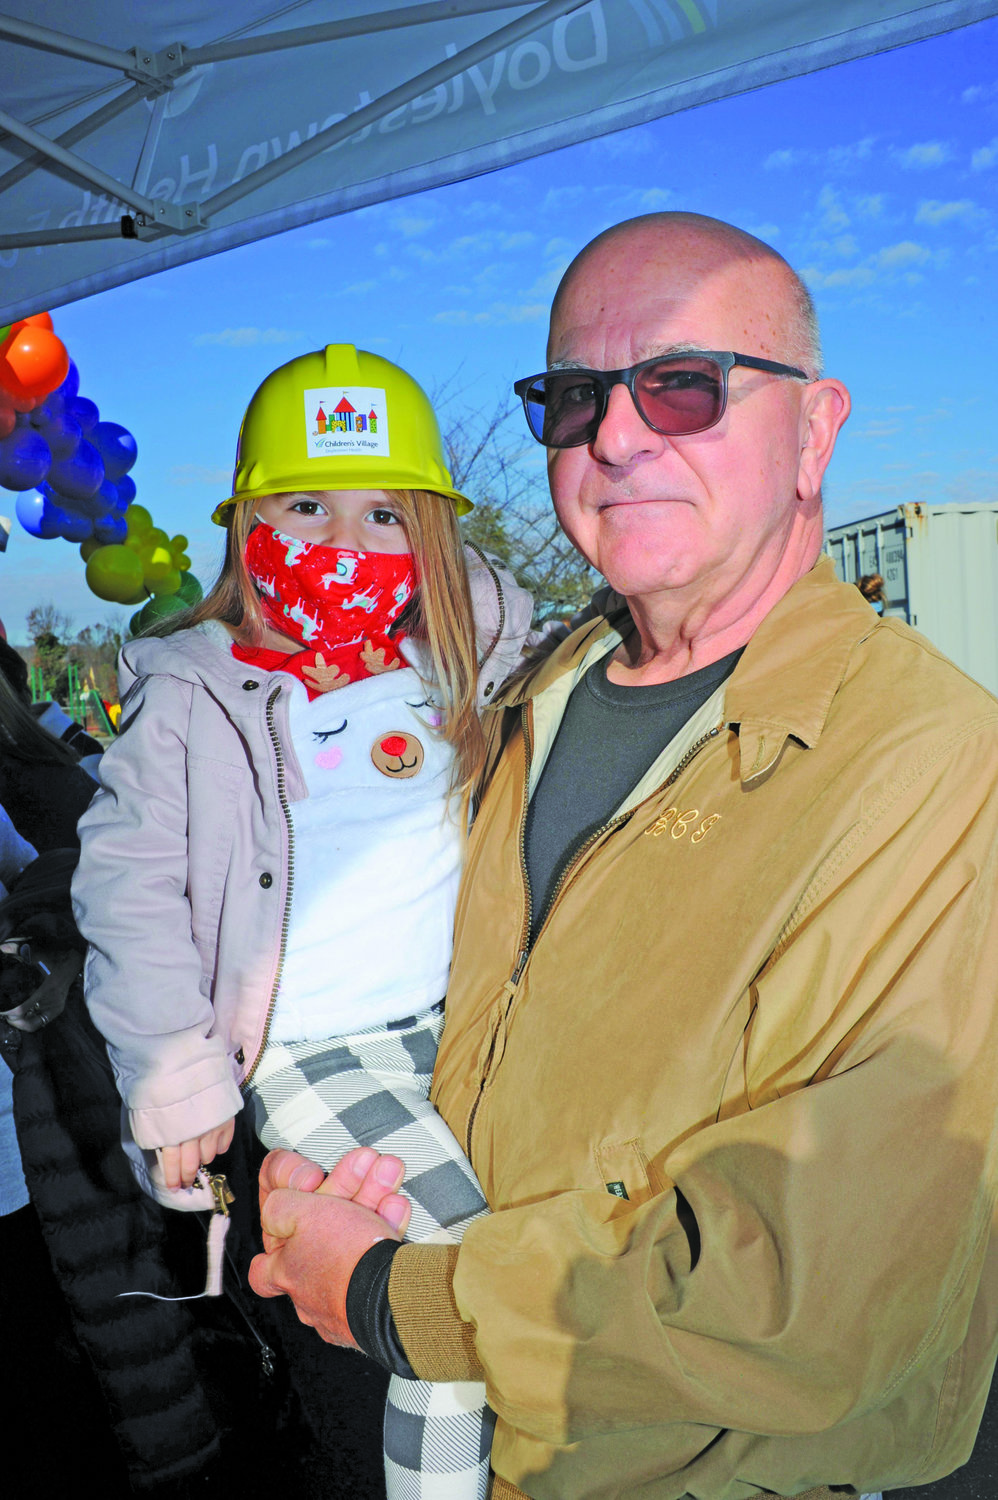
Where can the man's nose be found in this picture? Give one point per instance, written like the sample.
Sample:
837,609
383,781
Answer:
623,435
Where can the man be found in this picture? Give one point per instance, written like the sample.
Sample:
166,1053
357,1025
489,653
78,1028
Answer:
729,1079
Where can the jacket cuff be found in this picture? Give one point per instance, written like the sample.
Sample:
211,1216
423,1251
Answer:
438,1343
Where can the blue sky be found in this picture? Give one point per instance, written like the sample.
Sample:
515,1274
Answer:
877,179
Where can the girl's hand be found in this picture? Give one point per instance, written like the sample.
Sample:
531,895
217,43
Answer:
181,1163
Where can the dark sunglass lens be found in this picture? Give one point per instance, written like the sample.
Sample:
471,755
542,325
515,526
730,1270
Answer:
567,406
680,395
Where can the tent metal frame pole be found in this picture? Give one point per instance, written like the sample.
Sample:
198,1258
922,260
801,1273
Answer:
64,45
552,10
169,214
77,132
74,233
333,31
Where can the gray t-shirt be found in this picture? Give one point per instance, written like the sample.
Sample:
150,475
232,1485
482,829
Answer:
607,739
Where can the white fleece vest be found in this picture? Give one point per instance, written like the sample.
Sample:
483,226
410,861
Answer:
376,859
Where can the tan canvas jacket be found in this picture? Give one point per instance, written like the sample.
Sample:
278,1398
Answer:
735,1112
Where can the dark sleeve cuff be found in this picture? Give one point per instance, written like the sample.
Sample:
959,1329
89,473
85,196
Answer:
369,1312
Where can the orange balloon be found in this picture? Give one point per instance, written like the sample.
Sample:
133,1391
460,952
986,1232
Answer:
36,320
33,363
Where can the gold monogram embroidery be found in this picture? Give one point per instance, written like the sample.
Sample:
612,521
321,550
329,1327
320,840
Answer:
678,823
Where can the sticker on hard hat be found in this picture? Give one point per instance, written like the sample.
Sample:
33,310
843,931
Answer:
346,419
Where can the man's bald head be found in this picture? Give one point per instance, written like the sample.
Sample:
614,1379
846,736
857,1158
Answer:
704,246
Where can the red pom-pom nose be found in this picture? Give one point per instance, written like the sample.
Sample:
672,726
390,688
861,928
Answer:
393,744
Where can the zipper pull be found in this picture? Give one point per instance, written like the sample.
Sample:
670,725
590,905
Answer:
221,1193
509,988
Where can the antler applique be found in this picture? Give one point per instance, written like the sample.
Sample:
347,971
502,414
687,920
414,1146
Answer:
323,679
374,661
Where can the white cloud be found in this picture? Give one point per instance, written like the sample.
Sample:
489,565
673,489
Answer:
655,198
833,215
828,280
977,92
934,211
848,156
871,205
923,155
779,161
411,225
985,157
498,314
245,338
360,288
906,253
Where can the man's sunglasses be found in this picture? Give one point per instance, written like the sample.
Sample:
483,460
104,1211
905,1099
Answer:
676,394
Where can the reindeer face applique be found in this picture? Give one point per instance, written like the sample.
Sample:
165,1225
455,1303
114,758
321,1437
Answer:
369,734
397,754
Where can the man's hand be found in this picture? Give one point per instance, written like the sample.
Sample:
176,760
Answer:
316,1228
181,1163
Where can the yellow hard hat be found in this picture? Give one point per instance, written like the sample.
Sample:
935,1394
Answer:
339,419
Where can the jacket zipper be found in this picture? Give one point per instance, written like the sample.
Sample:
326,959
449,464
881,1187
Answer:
524,951
526,948
499,595
282,797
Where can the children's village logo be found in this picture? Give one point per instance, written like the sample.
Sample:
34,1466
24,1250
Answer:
349,419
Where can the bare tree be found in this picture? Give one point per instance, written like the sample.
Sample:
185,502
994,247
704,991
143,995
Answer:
513,519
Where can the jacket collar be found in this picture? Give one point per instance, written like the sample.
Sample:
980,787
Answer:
793,666
788,674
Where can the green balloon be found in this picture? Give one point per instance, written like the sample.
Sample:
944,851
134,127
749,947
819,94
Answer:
114,573
190,589
161,605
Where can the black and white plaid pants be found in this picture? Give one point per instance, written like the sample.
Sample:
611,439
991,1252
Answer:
372,1089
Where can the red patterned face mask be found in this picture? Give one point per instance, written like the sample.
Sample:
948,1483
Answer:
336,603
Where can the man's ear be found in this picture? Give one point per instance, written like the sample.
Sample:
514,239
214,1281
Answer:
824,408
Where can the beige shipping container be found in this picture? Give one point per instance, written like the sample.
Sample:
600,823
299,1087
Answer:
939,564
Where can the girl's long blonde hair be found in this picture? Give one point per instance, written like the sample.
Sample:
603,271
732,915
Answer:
440,612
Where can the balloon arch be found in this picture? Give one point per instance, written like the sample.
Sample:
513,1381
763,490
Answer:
71,472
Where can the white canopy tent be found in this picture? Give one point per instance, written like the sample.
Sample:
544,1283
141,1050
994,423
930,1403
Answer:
134,137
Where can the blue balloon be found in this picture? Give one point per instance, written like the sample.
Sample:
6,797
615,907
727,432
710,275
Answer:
25,459
71,385
39,516
126,491
76,528
92,507
110,529
116,447
62,432
86,413
78,477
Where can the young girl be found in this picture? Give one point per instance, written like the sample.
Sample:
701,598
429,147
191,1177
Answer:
268,878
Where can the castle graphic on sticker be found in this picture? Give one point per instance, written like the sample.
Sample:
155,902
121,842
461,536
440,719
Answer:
352,420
